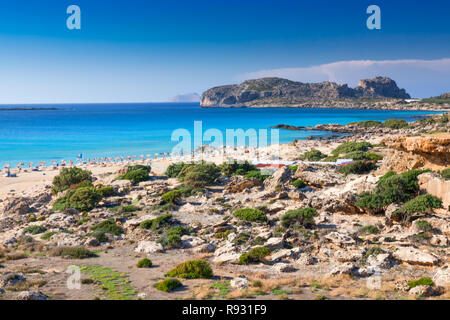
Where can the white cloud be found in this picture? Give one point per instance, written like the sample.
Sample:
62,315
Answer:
420,78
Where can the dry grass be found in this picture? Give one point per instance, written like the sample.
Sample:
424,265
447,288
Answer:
25,285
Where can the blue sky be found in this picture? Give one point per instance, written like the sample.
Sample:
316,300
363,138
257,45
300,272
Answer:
144,50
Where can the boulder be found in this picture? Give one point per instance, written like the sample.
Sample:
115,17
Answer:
274,243
435,185
415,256
280,177
283,267
442,276
11,279
31,295
340,239
345,268
149,247
239,283
423,291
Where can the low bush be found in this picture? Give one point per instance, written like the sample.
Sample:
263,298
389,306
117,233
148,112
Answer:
299,218
171,196
236,167
250,215
35,229
299,183
348,147
367,124
81,199
129,208
168,285
426,281
144,263
157,223
255,255
171,238
256,174
106,191
446,174
422,204
193,269
73,252
46,236
108,226
313,155
369,229
395,124
423,225
199,175
358,167
68,177
174,169
136,174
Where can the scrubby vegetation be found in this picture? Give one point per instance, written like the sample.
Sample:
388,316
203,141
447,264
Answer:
168,285
106,191
391,188
313,155
257,174
367,124
236,168
358,167
193,269
348,147
255,255
299,183
171,196
395,124
174,169
423,225
250,215
422,204
299,218
73,252
171,238
81,199
426,281
70,178
144,263
35,229
106,227
136,174
369,229
445,174
199,175
157,223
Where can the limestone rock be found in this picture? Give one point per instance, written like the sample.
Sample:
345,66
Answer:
31,295
412,255
149,247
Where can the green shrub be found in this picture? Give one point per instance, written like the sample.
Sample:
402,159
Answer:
129,208
242,238
373,251
47,235
171,238
255,255
188,191
35,229
313,155
73,252
358,167
136,174
174,169
446,174
193,269
199,175
395,123
301,217
369,229
348,147
367,124
251,215
81,199
171,196
168,285
423,225
108,226
106,191
426,281
256,174
144,263
294,168
422,204
68,177
236,167
299,183
157,223
361,155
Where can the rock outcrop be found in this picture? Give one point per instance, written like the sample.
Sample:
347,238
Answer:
432,183
278,91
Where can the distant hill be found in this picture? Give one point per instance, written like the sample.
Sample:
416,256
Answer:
272,92
189,97
442,99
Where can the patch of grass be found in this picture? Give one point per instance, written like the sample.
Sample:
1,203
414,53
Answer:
26,285
144,263
193,269
426,281
35,229
250,215
114,285
223,287
46,236
168,285
73,252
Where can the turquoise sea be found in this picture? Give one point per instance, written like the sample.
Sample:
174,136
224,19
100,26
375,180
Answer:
112,130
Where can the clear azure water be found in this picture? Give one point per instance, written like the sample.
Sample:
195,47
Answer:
112,130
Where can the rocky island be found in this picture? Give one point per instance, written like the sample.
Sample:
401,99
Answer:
376,93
